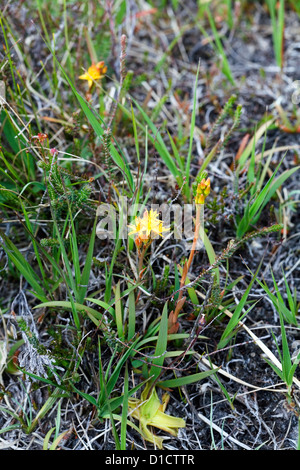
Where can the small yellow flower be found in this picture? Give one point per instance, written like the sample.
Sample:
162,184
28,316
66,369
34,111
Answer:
151,412
148,227
203,190
94,72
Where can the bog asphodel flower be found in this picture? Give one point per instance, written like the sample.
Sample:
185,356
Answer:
202,191
148,227
151,412
94,72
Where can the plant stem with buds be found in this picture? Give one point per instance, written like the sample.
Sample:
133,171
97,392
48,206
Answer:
199,228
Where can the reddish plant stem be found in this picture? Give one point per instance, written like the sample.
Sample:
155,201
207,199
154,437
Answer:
173,317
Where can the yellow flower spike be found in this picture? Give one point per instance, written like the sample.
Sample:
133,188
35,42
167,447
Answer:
203,190
151,412
94,72
148,227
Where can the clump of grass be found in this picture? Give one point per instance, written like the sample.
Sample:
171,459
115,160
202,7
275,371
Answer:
277,13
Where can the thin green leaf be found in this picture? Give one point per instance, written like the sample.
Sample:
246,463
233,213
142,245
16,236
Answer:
124,412
188,379
23,267
158,141
236,316
93,314
131,315
192,129
86,272
161,345
47,438
119,312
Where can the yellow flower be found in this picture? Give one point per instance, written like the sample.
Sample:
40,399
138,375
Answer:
151,412
147,227
95,72
203,190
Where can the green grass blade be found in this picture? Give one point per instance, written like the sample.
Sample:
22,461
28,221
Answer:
255,139
85,276
119,312
188,379
117,369
93,314
262,198
219,47
161,345
277,28
286,357
237,314
116,402
211,256
158,142
23,267
176,153
124,412
131,315
192,130
278,304
47,438
274,187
